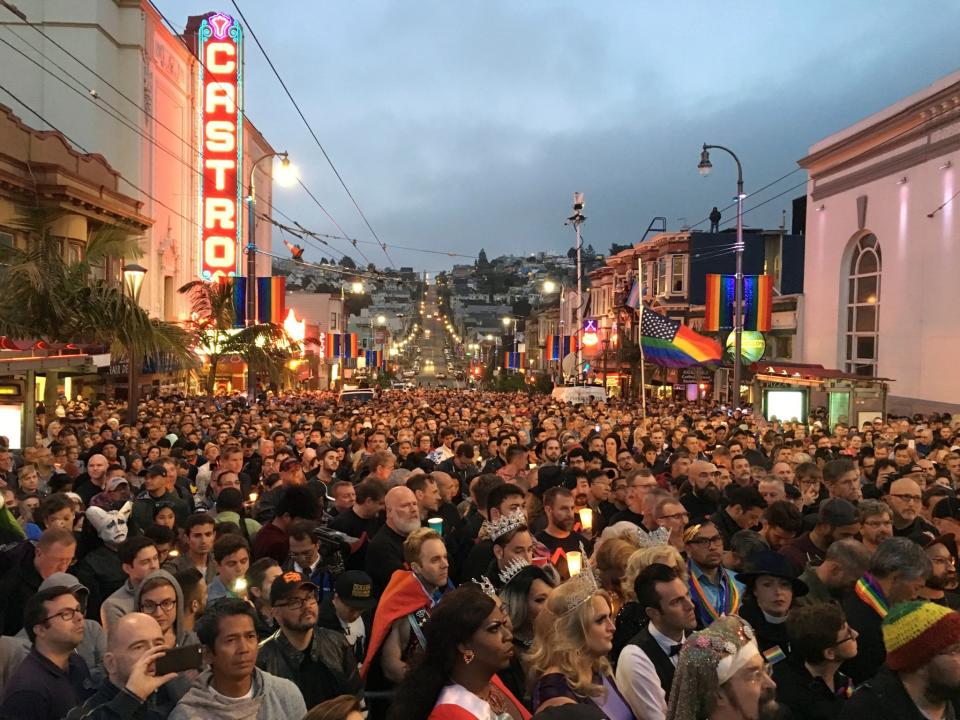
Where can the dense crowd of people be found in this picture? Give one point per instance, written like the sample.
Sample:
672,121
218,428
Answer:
460,555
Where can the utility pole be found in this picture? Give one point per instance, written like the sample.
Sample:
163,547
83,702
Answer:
577,219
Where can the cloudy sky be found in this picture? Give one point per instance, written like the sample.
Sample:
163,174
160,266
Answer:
462,124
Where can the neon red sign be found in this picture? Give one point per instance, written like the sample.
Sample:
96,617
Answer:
220,146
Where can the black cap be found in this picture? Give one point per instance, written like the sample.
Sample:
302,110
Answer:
949,507
286,584
770,562
837,512
355,588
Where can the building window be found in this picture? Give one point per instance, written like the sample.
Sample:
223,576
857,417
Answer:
861,349
662,276
333,322
676,273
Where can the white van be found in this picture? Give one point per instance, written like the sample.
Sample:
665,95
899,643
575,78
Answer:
579,394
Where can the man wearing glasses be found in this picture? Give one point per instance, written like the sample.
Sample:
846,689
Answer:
906,501
53,678
318,660
713,588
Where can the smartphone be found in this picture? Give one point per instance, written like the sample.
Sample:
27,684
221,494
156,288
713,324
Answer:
189,657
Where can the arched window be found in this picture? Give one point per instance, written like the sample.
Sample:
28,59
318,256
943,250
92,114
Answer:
863,308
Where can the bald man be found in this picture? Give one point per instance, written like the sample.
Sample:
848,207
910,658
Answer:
385,554
132,688
91,482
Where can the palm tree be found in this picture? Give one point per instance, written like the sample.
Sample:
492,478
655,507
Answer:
266,347
45,296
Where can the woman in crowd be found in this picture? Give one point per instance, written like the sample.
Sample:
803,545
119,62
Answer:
524,593
772,584
468,643
574,635
631,618
611,560
344,707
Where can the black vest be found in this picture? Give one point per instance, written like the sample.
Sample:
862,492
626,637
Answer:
661,662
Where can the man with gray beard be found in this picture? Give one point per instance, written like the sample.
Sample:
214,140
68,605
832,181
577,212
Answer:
385,554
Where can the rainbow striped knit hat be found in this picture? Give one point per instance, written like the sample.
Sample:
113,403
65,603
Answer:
914,632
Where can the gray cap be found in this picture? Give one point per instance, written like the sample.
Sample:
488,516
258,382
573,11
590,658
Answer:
837,512
70,582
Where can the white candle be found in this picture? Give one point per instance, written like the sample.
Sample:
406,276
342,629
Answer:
586,519
574,562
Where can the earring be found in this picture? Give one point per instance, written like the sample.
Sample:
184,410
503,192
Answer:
468,656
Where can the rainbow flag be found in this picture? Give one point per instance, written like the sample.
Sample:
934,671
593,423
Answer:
341,345
514,361
271,298
670,343
559,346
720,302
374,358
238,287
757,302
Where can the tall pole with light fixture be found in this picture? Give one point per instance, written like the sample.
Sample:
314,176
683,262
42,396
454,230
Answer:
705,167
286,171
577,219
133,283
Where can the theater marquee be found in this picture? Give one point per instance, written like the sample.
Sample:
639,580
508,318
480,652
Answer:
220,146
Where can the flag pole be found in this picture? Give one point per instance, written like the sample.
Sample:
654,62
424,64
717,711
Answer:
643,371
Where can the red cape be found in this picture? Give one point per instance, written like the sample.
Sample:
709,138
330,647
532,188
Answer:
403,595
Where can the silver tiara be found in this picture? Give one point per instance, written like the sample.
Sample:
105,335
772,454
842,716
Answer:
585,585
512,569
660,536
507,524
487,586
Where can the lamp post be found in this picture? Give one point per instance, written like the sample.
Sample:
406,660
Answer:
705,167
578,218
133,283
285,176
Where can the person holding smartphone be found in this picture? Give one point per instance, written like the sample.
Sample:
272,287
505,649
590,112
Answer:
132,687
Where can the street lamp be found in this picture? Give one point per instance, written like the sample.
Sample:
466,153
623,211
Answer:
549,286
286,176
705,166
356,288
133,283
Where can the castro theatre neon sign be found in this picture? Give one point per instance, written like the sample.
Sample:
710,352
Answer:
221,145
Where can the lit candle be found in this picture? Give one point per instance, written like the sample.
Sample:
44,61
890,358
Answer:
586,519
240,586
573,563
253,497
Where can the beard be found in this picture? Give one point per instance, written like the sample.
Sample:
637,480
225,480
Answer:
942,582
768,709
408,526
710,493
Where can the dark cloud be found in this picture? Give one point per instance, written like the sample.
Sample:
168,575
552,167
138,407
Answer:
468,125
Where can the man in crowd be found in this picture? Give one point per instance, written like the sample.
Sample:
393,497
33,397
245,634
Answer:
305,557
810,683
425,489
233,686
296,502
385,554
837,519
361,521
199,531
716,591
347,610
703,500
54,553
942,583
905,500
744,509
232,555
317,660
919,679
845,562
138,558
559,537
646,665
875,523
898,570
53,678
639,483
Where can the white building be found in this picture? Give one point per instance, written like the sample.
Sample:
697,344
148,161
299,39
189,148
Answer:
883,250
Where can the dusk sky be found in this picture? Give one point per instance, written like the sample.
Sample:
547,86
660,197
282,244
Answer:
461,125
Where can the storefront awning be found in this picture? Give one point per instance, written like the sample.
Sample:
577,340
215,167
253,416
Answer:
804,374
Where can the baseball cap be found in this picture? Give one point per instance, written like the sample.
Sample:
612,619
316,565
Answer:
949,507
115,482
156,469
837,512
354,588
286,584
289,464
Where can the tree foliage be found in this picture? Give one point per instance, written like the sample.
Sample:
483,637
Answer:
47,296
266,347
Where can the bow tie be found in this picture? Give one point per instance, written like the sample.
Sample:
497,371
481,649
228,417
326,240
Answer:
674,650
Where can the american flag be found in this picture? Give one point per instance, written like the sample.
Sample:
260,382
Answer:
655,325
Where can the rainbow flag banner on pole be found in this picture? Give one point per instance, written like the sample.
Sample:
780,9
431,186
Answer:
238,287
341,345
514,361
559,346
758,302
374,358
720,299
271,298
670,343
